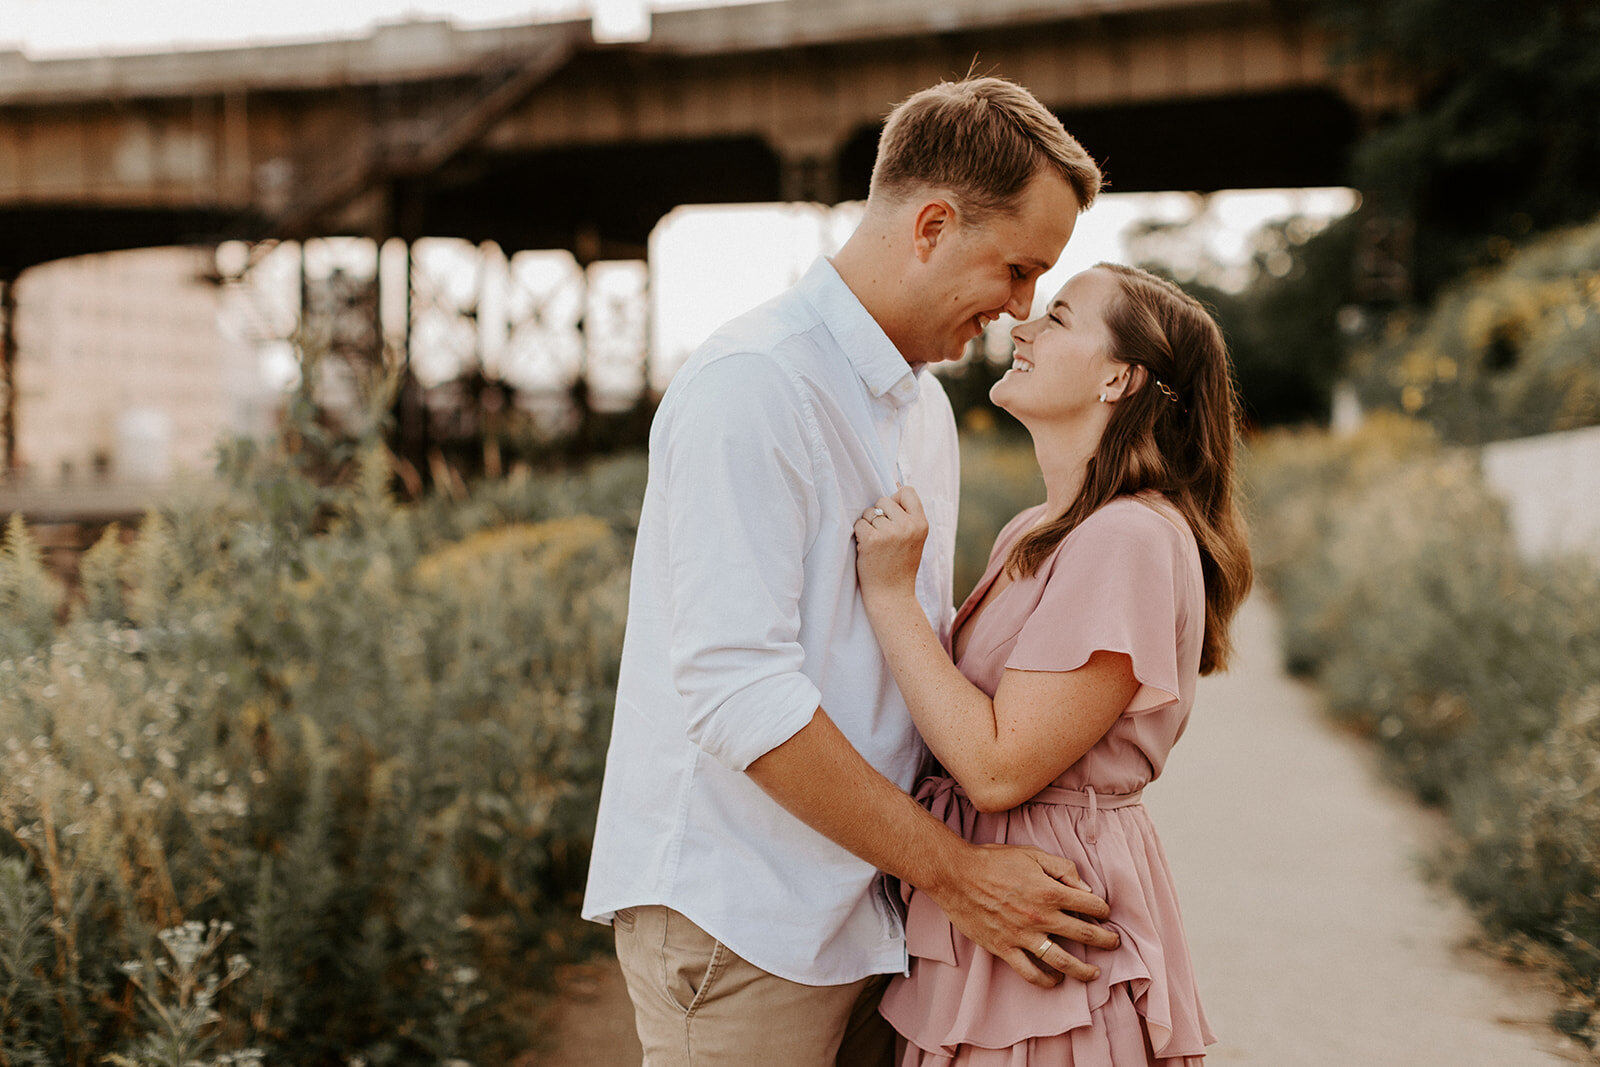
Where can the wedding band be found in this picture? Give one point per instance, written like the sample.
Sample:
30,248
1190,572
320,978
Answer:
877,513
1046,947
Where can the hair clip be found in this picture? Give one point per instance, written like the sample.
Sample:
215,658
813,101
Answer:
1166,390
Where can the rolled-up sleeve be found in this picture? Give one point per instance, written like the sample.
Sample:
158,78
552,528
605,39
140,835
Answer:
741,516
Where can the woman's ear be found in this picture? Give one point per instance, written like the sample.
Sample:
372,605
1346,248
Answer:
1128,379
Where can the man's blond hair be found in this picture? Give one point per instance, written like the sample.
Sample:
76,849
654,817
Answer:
982,138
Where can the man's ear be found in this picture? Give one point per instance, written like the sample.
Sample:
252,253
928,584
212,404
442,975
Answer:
932,224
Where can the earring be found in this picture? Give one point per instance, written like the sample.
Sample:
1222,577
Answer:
1102,398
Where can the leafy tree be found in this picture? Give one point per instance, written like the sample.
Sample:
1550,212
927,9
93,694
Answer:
1503,141
1279,312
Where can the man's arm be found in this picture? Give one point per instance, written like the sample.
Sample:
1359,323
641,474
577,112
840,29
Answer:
1007,899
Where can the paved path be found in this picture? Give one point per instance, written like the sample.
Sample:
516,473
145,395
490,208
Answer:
1317,942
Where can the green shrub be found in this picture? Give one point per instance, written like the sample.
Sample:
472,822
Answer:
1403,594
1505,353
1529,858
367,736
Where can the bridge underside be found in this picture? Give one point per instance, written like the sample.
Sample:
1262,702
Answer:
602,202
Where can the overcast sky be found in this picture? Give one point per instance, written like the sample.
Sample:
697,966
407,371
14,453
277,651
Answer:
66,27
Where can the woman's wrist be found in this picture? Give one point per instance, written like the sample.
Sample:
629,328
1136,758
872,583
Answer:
886,603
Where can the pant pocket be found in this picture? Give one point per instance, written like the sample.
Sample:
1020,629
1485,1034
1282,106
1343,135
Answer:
624,920
691,959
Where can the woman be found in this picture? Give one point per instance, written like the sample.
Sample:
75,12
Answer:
1075,661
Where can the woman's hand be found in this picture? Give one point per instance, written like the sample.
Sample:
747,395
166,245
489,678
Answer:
889,537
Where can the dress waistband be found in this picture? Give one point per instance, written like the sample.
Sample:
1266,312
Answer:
1086,797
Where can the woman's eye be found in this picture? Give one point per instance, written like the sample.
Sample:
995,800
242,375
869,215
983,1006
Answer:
1056,318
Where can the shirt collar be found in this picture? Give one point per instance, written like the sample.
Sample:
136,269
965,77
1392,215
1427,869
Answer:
874,357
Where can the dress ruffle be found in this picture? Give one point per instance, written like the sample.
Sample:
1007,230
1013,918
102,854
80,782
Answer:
961,1000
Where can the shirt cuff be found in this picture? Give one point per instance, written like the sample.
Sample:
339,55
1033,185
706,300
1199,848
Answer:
756,719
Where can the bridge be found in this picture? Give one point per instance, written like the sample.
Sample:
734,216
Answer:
538,136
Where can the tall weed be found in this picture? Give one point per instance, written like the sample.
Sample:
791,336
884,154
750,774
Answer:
367,736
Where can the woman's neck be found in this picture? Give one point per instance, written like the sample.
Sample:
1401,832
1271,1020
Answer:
1063,452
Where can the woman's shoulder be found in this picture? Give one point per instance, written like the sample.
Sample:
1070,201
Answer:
1133,527
1148,513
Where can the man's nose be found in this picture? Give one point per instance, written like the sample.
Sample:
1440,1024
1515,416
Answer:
1021,303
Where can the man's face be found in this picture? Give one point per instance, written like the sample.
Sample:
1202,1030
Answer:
977,271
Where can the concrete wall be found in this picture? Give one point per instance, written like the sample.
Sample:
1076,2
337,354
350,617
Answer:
1552,485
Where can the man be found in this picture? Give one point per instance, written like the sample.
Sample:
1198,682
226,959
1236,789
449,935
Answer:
760,754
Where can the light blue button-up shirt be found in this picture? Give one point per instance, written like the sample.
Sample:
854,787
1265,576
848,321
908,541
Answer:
744,617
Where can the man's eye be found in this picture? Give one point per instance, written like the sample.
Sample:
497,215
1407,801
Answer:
1017,273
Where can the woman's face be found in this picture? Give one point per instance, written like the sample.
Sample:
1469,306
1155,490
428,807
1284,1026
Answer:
1061,362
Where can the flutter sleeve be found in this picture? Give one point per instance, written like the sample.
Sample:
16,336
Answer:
1115,584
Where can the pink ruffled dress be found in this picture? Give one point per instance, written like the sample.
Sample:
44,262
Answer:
1126,580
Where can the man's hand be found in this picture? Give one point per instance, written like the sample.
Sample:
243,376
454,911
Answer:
1012,900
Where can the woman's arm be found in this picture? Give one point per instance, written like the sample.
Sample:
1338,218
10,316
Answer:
1038,724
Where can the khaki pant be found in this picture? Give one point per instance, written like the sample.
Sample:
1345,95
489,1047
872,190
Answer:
697,1004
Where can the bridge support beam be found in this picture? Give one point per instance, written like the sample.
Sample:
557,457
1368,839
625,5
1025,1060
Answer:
8,373
410,410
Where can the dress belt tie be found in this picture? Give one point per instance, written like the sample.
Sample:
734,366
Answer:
1078,798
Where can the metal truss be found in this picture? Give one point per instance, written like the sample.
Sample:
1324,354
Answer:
341,317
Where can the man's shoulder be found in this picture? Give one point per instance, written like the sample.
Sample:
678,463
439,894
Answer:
774,344
783,328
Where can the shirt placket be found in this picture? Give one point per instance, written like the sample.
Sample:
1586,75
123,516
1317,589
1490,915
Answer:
891,433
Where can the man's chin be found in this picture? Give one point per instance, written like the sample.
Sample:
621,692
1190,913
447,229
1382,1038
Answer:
946,353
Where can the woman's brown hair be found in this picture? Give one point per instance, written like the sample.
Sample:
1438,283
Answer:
1173,432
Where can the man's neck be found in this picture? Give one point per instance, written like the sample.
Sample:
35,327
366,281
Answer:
865,265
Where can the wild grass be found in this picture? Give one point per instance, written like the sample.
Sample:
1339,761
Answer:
364,737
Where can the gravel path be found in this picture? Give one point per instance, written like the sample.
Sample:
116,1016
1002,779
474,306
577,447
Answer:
1318,943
